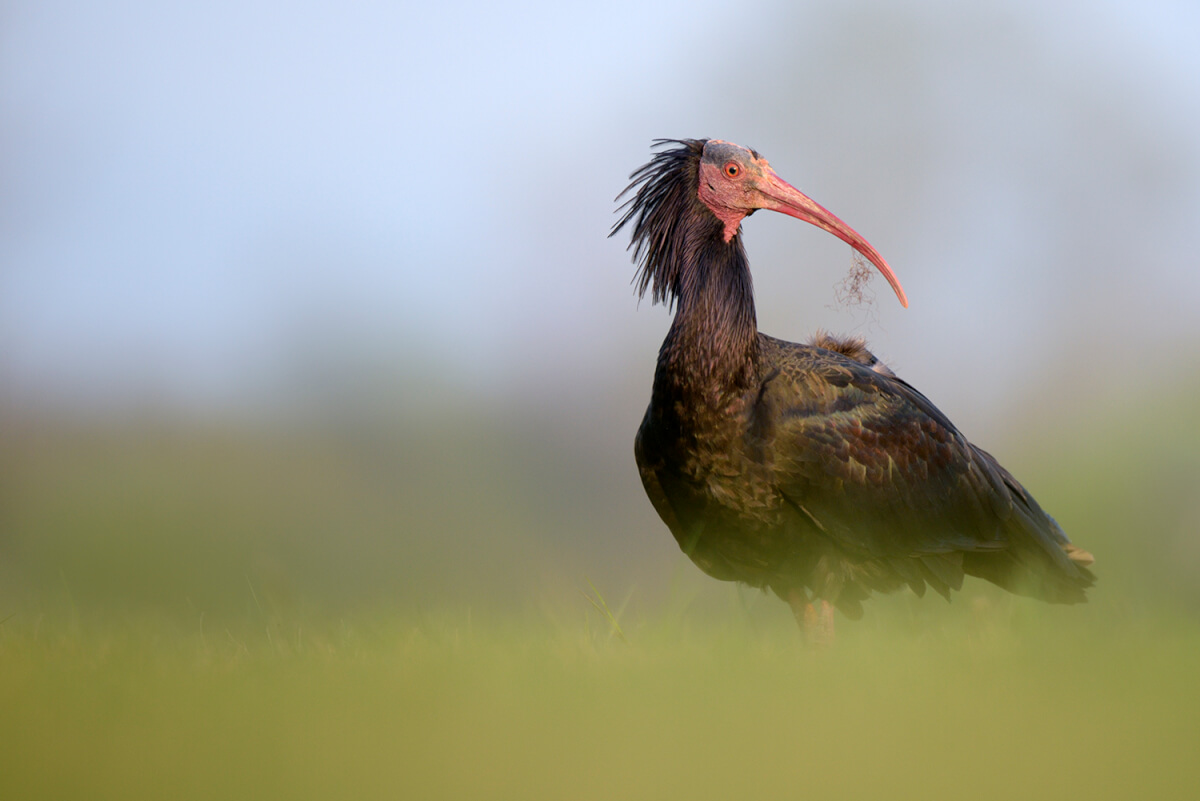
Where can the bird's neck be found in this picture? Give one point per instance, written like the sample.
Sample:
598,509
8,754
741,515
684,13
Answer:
711,349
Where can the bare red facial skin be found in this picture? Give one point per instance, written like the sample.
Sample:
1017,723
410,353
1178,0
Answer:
714,191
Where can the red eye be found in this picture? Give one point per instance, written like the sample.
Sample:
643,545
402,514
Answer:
732,170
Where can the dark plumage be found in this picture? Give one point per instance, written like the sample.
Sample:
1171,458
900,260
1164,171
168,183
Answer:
852,347
809,469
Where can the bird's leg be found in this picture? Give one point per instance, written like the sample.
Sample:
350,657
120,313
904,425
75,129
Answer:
797,599
816,625
824,633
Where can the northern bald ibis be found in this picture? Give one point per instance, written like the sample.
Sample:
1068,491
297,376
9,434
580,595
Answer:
812,469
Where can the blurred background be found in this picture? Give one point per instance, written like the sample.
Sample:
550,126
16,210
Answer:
313,305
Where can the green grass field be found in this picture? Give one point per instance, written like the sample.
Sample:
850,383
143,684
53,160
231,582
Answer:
996,703
207,613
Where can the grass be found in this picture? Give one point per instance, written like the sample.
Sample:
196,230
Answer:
993,701
195,613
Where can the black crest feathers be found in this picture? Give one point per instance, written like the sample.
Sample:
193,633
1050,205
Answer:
663,188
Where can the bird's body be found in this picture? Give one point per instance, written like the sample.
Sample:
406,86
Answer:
811,470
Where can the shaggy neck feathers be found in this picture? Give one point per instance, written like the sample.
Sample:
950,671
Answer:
685,262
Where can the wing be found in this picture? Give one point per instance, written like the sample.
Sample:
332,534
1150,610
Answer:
882,473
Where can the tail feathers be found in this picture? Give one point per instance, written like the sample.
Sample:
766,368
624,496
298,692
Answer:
1040,562
1035,573
1079,556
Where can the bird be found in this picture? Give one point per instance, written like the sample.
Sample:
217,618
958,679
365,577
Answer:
808,470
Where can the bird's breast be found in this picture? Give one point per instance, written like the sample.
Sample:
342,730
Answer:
716,452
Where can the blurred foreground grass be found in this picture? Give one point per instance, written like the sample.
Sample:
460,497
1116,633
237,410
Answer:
196,611
989,705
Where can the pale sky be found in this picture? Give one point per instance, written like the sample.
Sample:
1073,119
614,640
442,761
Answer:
198,200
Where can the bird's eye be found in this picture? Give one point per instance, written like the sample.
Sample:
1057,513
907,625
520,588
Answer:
732,170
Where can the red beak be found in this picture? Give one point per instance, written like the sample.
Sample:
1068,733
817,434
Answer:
783,197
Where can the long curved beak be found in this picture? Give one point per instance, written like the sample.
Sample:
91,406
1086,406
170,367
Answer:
781,196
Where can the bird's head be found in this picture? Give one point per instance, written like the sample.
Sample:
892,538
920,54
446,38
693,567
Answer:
735,181
675,192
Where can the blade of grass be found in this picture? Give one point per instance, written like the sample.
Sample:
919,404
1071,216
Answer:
602,607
